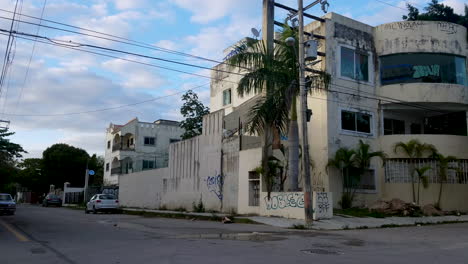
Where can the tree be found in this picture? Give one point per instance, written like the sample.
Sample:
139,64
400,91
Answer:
63,163
9,151
275,74
444,167
193,111
344,161
414,149
422,178
437,12
31,175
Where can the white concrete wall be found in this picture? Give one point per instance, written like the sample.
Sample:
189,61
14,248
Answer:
284,204
142,189
248,161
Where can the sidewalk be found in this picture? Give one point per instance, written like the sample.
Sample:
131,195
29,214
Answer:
338,222
349,222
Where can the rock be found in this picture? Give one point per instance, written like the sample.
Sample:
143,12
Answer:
430,210
380,206
398,205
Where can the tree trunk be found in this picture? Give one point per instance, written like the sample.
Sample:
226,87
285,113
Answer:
412,182
440,194
267,152
419,183
293,150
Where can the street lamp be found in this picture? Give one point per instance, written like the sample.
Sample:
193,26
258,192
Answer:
290,41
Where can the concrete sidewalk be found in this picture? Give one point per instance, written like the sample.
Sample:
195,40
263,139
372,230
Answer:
338,222
349,222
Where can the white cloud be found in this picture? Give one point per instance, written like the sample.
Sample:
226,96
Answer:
457,5
131,4
205,11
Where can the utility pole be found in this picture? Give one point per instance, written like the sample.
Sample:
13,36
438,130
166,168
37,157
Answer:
309,211
85,195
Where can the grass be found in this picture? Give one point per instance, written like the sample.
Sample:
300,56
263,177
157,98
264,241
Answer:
298,226
359,212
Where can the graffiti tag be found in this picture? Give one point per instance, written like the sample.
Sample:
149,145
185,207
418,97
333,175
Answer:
281,201
407,25
323,204
426,70
215,185
448,28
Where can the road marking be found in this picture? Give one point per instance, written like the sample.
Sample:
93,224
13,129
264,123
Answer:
16,233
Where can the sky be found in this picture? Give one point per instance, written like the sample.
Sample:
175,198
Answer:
58,94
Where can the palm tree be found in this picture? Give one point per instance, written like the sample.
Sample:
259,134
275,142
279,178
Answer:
414,149
422,178
444,167
364,156
274,74
344,161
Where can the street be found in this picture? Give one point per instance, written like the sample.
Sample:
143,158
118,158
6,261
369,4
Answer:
60,235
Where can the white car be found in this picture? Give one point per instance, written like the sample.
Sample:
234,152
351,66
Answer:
102,202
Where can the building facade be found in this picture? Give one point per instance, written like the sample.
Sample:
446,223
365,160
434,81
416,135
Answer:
138,146
391,83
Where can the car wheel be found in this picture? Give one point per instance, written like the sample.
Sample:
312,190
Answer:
86,210
94,210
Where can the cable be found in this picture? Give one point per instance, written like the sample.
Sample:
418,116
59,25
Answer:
383,2
7,51
29,61
126,40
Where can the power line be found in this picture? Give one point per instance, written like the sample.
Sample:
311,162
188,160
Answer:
7,51
29,61
392,5
122,39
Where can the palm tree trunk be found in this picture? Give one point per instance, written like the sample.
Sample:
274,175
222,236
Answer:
440,193
293,151
412,182
266,144
419,183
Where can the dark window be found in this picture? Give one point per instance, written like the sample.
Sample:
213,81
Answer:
108,144
149,141
148,164
393,126
447,124
422,67
227,97
107,197
415,129
173,140
354,64
107,166
360,181
354,121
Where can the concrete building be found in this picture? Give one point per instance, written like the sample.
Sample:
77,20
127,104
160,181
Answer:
138,146
394,82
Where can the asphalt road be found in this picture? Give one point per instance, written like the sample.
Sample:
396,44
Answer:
59,235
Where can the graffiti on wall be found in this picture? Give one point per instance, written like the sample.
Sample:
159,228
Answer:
285,200
448,28
406,25
323,203
215,185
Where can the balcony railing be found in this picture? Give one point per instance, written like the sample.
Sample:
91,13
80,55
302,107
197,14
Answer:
118,147
117,170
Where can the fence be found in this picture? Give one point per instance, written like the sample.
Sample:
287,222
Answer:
73,197
399,170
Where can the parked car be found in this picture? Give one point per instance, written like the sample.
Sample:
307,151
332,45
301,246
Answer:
52,199
7,204
102,202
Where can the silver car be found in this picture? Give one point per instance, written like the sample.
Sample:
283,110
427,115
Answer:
101,203
7,204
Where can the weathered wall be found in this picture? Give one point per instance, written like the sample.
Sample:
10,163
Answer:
248,160
230,172
142,189
284,204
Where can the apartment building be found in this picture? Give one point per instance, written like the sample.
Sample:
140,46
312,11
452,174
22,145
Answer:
137,146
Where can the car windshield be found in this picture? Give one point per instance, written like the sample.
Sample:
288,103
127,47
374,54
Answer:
53,196
107,197
5,197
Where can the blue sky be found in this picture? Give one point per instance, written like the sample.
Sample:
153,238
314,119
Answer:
61,81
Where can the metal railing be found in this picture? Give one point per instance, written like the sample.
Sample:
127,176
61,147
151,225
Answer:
117,170
400,171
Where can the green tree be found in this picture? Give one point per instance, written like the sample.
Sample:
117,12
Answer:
414,149
31,175
64,163
9,152
444,167
193,111
436,11
422,178
344,161
275,75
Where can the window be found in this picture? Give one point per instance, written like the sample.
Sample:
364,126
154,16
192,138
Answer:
415,129
254,188
173,140
148,164
356,121
393,126
422,68
149,141
363,182
227,97
108,144
354,64
107,166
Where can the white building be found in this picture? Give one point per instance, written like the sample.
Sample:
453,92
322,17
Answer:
391,83
138,146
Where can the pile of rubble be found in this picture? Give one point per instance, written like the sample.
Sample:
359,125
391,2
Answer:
400,207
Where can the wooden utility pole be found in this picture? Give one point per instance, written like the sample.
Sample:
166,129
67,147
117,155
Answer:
268,24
